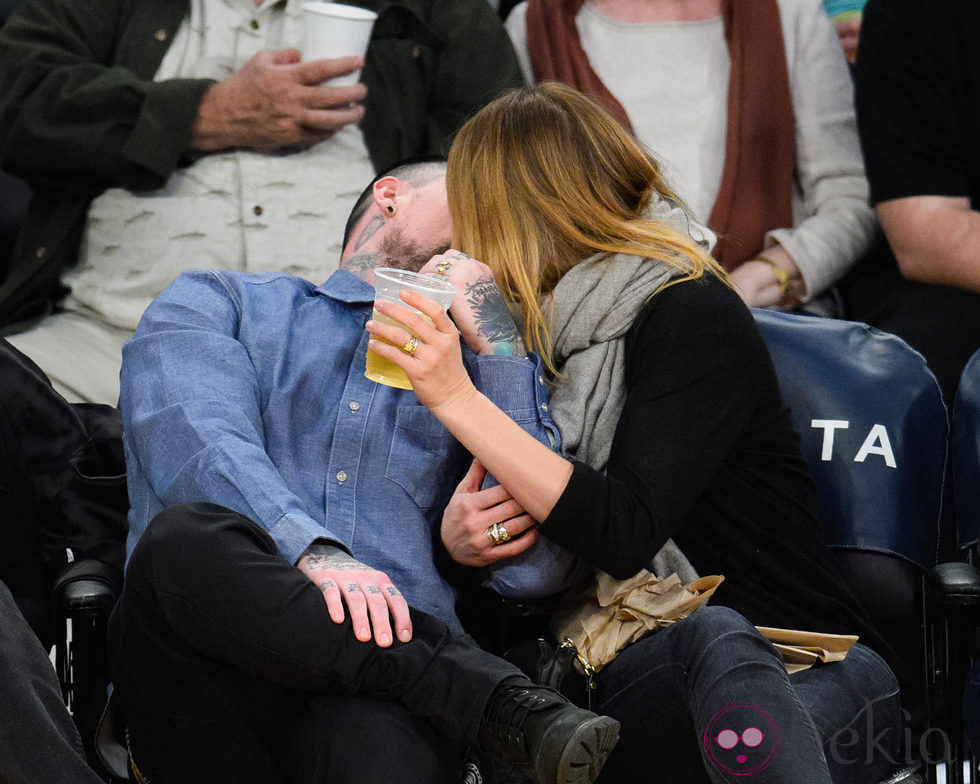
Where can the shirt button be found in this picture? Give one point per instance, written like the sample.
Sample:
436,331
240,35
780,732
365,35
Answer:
41,250
541,380
341,476
254,24
160,35
354,405
416,51
257,209
544,406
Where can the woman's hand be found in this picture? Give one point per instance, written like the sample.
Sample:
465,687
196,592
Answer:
761,286
479,309
473,512
435,364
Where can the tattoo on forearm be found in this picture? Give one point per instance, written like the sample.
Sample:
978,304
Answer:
493,319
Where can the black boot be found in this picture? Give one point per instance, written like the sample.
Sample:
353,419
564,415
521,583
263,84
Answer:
545,735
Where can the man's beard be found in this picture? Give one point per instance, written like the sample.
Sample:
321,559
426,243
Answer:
400,253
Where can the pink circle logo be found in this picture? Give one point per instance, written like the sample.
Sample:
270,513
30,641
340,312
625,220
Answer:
741,739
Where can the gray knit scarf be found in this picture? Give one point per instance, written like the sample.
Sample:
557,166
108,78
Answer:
590,311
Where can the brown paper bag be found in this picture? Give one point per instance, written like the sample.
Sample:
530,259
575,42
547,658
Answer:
801,650
609,614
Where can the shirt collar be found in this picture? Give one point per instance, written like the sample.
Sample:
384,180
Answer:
344,286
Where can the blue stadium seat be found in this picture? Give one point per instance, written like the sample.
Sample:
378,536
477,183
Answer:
874,432
955,587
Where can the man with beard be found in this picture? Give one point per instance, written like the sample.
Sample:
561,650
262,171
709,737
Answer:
284,512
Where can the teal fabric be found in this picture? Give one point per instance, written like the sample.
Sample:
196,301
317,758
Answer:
837,8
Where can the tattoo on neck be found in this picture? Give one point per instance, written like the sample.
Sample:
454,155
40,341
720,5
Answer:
362,263
373,226
493,319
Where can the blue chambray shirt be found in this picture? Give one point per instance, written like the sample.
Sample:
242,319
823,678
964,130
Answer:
248,390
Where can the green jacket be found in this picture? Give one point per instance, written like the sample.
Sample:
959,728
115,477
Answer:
79,112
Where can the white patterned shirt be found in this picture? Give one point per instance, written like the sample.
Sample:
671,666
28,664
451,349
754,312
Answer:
238,210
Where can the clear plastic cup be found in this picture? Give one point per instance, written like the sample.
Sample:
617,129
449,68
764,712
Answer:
388,284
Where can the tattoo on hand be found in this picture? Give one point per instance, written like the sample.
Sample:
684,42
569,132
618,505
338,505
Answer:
392,591
373,589
337,561
493,319
326,586
353,588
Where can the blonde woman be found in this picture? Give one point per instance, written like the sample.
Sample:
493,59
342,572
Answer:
677,450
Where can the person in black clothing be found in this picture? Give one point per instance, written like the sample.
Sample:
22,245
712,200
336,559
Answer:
62,499
917,95
679,451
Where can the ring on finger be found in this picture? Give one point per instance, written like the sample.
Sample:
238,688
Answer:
411,345
497,534
442,266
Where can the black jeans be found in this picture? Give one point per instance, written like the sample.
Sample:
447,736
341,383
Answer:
228,667
38,740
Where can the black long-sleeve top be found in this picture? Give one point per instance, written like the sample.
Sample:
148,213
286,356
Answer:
705,452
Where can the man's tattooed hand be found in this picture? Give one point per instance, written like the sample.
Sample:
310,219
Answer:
373,602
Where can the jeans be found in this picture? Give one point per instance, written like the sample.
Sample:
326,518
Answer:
38,740
227,667
689,696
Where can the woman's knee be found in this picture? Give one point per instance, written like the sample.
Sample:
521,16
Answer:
714,627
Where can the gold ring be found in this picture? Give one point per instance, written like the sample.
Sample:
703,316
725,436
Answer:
498,534
411,345
442,266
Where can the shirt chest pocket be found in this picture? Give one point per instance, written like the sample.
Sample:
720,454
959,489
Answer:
425,459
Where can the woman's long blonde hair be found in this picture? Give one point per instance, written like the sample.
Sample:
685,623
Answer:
543,178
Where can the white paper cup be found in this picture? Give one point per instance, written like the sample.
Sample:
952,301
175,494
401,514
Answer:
336,30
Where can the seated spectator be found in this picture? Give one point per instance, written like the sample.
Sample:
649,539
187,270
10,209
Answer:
917,84
160,137
251,617
62,497
749,107
38,740
681,457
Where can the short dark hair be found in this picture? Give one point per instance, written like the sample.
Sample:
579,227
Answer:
417,172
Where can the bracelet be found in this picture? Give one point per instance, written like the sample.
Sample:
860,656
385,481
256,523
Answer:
782,276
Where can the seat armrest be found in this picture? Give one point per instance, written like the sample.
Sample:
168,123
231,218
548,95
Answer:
86,587
955,583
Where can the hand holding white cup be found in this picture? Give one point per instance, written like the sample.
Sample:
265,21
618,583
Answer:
332,30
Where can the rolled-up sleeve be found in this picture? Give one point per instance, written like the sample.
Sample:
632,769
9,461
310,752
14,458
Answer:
517,386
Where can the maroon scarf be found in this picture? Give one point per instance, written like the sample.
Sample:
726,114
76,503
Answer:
756,185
